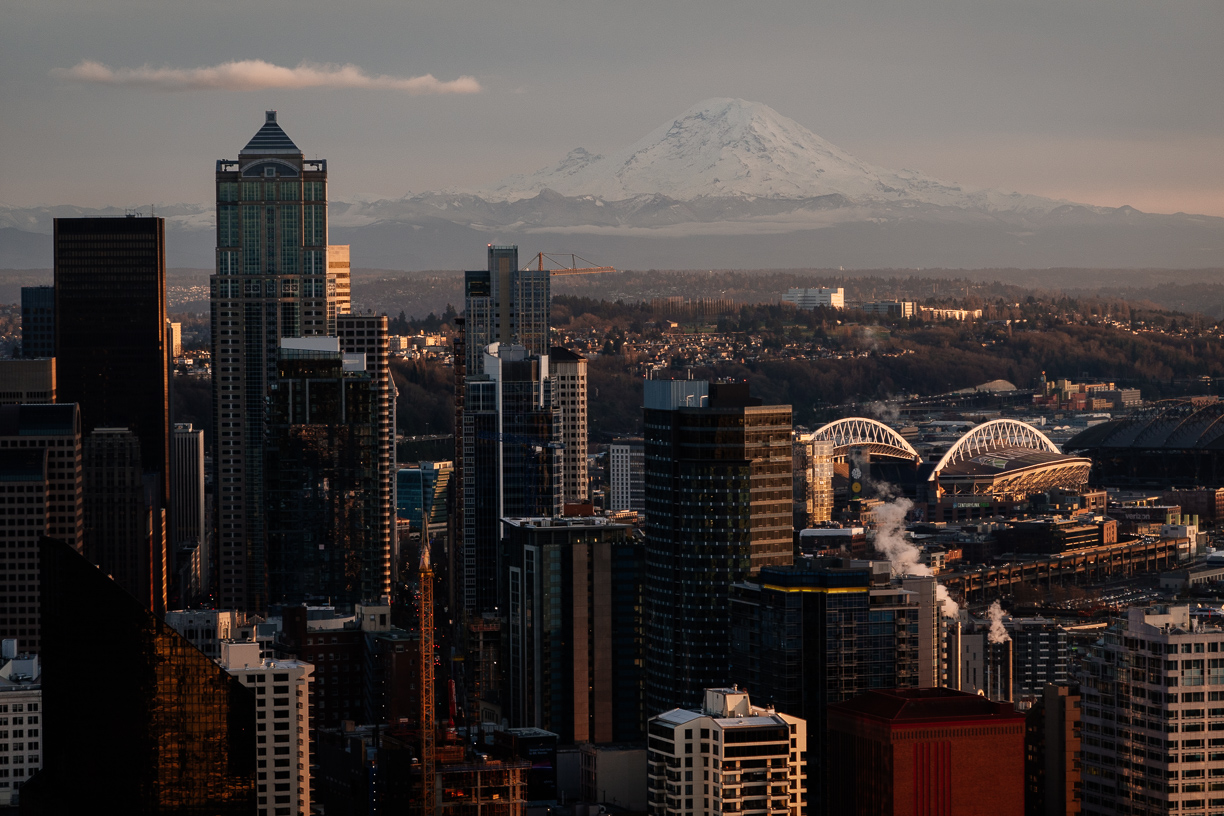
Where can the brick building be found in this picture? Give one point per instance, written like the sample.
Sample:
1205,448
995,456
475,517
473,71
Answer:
925,751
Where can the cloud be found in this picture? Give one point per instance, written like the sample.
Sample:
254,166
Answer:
255,75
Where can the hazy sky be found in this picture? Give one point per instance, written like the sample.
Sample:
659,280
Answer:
1107,102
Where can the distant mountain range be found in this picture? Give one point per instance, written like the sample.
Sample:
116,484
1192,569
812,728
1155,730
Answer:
727,184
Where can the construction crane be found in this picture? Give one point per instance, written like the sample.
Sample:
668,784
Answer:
561,269
425,620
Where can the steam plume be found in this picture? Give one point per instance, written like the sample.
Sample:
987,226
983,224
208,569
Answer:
903,556
998,633
254,75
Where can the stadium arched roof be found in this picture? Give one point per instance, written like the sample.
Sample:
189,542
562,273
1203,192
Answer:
878,438
994,435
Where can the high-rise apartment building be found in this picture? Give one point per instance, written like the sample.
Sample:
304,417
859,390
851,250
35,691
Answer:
1149,725
512,460
338,265
40,456
159,727
569,375
726,756
573,612
813,465
718,509
505,304
37,321
367,335
27,382
174,339
125,525
1052,750
327,534
925,751
272,282
21,712
627,475
281,723
189,532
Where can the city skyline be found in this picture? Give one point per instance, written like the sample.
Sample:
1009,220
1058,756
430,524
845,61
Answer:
1076,102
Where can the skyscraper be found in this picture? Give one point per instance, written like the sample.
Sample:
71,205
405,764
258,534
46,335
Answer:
512,460
718,509
159,726
626,475
41,446
125,524
325,508
189,531
112,360
574,628
1153,679
505,304
37,321
272,281
569,374
110,330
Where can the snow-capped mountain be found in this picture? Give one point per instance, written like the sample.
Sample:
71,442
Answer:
727,184
735,148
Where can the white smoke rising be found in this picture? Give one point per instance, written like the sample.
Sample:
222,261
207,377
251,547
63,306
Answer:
903,556
998,633
951,608
254,75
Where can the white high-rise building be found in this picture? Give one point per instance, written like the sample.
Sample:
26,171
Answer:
20,720
730,756
205,628
627,475
282,726
1153,715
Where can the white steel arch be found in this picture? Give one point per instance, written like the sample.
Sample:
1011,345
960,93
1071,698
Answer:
992,435
860,431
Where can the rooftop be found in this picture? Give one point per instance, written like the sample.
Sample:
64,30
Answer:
904,706
270,139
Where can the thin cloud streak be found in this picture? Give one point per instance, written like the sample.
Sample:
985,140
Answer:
256,75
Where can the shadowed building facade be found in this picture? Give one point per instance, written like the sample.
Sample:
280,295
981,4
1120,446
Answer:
718,509
324,506
111,354
158,727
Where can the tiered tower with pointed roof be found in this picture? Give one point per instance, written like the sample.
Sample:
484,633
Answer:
272,281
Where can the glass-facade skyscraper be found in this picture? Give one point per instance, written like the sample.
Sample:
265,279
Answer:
718,509
159,727
272,281
505,304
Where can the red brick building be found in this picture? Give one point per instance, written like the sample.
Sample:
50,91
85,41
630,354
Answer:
925,752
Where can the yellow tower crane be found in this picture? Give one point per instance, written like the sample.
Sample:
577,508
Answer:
559,267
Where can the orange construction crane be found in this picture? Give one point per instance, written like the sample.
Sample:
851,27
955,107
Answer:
573,268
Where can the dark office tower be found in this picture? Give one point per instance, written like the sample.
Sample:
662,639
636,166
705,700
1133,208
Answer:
38,321
272,281
46,504
188,524
158,726
505,304
718,509
574,588
124,521
367,336
512,462
824,630
110,330
323,491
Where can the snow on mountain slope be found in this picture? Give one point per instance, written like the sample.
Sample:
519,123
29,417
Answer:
731,147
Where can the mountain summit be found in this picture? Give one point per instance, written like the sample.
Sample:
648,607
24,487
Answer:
736,148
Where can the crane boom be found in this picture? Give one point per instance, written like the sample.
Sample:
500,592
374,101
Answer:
561,268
